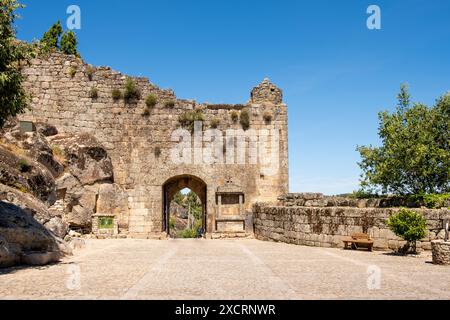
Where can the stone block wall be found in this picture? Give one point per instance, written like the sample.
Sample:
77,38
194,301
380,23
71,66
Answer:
326,226
140,144
320,200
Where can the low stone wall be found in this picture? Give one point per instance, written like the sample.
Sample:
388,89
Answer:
320,200
327,226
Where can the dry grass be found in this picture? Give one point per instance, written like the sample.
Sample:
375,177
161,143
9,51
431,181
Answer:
13,148
59,155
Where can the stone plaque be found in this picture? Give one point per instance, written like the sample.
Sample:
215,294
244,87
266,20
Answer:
27,126
231,226
228,210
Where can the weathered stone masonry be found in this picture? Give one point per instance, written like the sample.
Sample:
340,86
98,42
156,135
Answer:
140,146
314,220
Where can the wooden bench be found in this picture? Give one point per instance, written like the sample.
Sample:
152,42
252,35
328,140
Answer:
359,240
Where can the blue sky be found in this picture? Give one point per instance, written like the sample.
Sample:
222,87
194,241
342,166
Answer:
336,74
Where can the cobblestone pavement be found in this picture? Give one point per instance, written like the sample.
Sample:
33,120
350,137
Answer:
235,269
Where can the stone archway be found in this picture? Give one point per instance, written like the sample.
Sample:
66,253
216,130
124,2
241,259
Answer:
176,184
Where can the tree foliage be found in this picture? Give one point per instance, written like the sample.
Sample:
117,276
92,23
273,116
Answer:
50,39
179,198
69,43
13,99
193,205
414,157
55,38
191,201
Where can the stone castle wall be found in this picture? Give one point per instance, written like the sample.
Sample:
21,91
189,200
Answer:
318,222
140,146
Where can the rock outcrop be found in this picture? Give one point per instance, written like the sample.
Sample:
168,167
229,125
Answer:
87,160
19,170
51,183
24,240
35,208
85,183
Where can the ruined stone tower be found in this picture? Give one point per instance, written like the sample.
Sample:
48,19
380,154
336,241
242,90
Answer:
142,145
267,92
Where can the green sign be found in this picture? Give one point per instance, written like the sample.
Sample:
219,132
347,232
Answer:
26,126
106,223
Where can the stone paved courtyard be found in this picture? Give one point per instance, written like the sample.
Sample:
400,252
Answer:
241,269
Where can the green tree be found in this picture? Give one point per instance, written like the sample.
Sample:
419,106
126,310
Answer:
179,198
192,203
414,157
195,205
13,99
69,43
408,225
50,39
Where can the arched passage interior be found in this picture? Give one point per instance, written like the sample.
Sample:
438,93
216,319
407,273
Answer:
175,184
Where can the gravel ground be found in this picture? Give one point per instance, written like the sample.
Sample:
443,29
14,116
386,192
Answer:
235,269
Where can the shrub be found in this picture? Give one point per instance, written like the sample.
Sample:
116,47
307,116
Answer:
169,104
215,123
151,101
116,94
172,223
234,116
410,226
184,119
72,72
188,119
245,119
362,194
90,72
267,116
69,43
93,93
436,201
188,234
24,166
431,201
131,90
